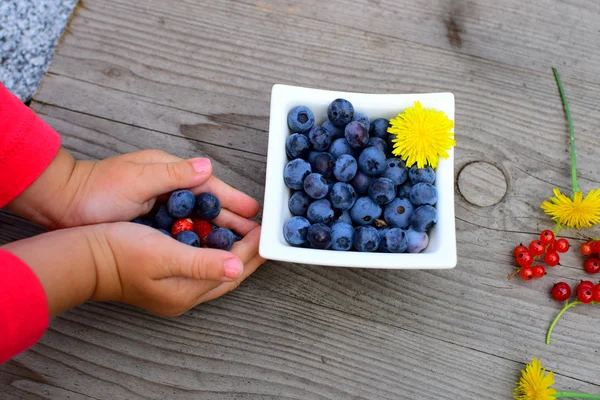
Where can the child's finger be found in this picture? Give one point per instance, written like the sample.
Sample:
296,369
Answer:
166,177
201,264
247,248
231,199
239,225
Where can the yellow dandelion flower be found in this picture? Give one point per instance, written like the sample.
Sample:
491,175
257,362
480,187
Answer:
578,212
535,384
422,135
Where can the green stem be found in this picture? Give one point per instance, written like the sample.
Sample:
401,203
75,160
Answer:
565,308
574,395
568,112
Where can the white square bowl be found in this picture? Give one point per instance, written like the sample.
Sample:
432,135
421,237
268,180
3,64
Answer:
441,251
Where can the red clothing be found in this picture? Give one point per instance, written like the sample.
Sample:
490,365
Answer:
27,146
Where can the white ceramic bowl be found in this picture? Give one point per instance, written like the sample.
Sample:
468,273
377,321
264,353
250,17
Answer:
441,251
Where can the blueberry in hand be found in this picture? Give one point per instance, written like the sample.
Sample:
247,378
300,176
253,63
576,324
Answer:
208,206
300,119
342,196
316,186
334,132
220,238
398,213
165,232
395,170
423,193
394,241
297,146
319,236
361,183
181,203
357,135
295,172
342,236
382,191
320,211
417,241
365,211
378,143
372,161
144,221
340,112
379,128
363,119
163,219
423,218
319,139
340,147
189,238
345,168
421,175
323,164
299,202
366,238
295,230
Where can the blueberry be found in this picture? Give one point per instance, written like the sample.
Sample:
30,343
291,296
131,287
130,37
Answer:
189,238
423,218
345,168
340,112
208,206
372,161
340,147
316,186
361,183
342,236
404,190
382,191
220,238
378,143
363,119
342,196
398,213
341,216
299,202
423,193
164,231
181,203
163,219
356,135
365,211
295,172
383,231
421,175
311,156
417,241
320,211
144,221
333,131
323,164
395,170
297,146
366,238
295,230
394,241
236,237
300,119
319,139
319,236
379,128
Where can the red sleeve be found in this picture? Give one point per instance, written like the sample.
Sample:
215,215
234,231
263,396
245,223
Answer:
24,313
27,146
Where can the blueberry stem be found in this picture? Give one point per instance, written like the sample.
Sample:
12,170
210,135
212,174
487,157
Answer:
568,112
565,308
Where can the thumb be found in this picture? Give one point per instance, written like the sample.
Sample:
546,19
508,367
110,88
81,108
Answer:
167,177
204,264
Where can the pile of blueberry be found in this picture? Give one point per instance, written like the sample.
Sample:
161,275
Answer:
186,217
349,190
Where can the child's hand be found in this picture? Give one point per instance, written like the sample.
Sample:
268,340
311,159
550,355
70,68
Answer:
138,265
121,188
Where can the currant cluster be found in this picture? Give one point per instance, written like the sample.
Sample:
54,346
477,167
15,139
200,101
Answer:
586,291
591,248
546,247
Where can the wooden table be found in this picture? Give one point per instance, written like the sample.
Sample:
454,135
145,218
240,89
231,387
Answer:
194,78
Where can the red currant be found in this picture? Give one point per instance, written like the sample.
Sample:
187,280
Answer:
597,293
182,224
596,244
525,259
587,248
536,248
538,271
547,236
526,273
561,291
585,295
561,245
592,265
520,249
551,259
585,284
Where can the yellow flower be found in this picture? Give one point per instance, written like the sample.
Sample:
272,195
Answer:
578,212
535,384
422,135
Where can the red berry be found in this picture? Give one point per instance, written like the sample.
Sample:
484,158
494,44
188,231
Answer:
561,245
592,265
596,244
536,248
587,248
202,229
585,294
182,224
526,273
524,259
551,259
597,293
538,271
585,284
561,291
520,249
547,236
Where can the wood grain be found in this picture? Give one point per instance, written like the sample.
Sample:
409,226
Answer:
194,78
